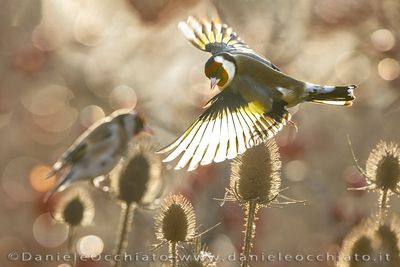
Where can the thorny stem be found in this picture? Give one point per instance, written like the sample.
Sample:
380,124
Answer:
383,205
71,240
71,235
173,254
251,210
125,227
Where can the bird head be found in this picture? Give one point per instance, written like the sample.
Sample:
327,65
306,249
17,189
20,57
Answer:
220,69
131,121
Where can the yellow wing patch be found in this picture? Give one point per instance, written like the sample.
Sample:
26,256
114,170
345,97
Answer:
226,129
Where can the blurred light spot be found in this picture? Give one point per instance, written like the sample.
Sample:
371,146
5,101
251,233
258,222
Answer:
16,191
353,67
99,75
90,115
29,60
90,246
122,97
88,29
59,121
45,38
44,138
296,170
389,69
383,40
15,179
64,265
47,232
353,178
38,178
47,100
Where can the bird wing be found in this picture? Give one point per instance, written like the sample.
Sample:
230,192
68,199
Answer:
97,133
228,127
214,37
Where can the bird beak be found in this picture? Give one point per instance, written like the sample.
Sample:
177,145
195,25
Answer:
214,82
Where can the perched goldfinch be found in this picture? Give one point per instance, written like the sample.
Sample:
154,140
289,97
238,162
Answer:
252,105
98,150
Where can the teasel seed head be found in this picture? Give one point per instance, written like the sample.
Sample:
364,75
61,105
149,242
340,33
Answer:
383,167
358,242
75,208
176,221
373,239
138,178
256,174
389,240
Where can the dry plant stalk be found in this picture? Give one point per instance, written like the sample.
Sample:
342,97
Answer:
255,182
136,183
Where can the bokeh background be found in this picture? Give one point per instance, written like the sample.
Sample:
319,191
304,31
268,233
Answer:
67,63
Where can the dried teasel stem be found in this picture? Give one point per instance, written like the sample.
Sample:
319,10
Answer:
71,239
127,212
251,211
71,242
173,254
255,182
383,205
136,183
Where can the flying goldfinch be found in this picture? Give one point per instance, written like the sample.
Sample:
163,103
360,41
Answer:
98,150
252,105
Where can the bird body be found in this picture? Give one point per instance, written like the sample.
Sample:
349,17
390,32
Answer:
253,102
98,150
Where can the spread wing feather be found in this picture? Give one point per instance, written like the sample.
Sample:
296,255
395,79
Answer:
227,128
214,37
94,134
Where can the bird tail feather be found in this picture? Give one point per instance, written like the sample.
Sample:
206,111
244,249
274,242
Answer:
331,95
59,186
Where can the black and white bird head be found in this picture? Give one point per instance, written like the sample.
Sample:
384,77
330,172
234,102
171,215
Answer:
220,69
131,122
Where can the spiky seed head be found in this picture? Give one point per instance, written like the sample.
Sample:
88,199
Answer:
383,166
176,221
75,208
138,179
373,239
256,174
358,242
389,240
